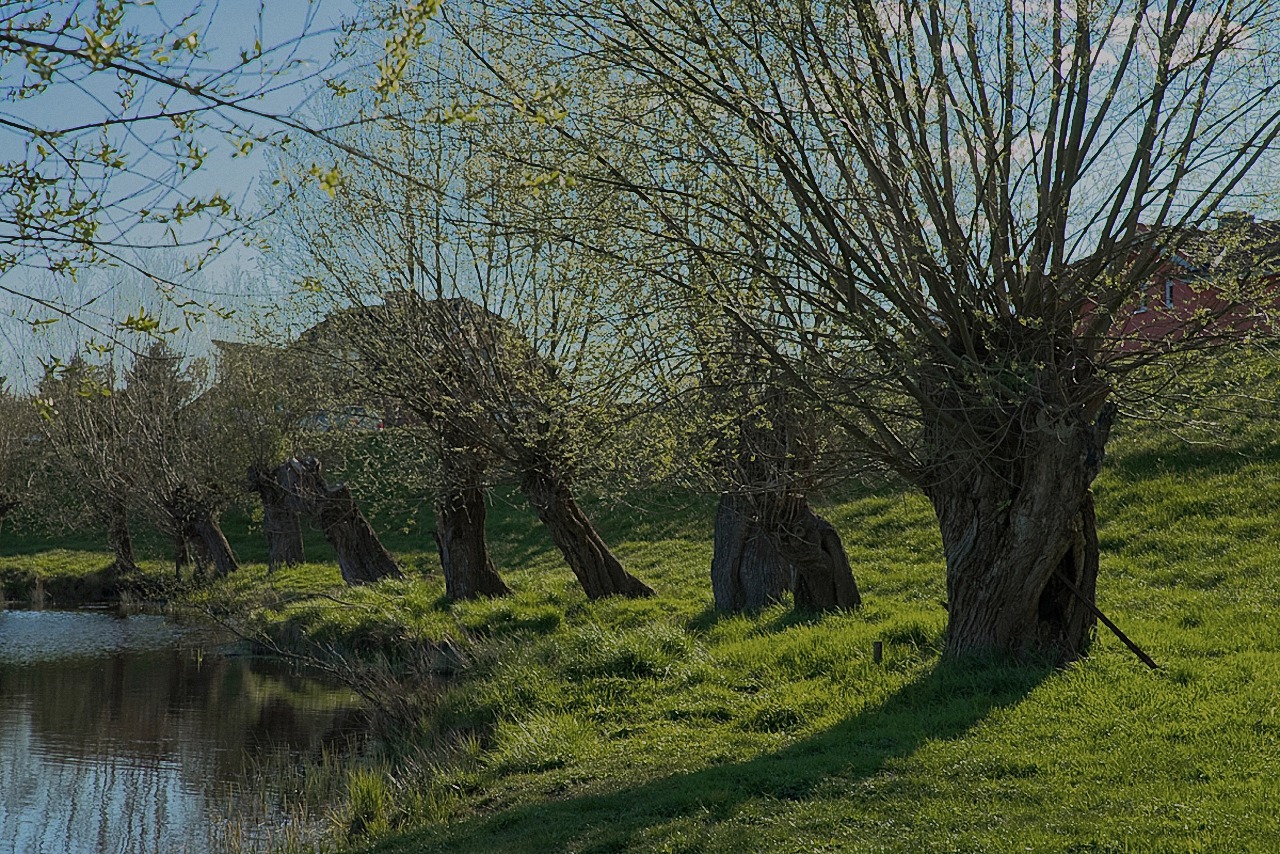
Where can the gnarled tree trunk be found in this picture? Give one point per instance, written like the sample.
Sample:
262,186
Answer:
211,544
120,540
361,556
281,523
460,514
464,556
747,570
823,578
1011,534
198,526
597,570
772,540
766,533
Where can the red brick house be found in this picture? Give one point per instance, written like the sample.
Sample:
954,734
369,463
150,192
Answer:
1216,285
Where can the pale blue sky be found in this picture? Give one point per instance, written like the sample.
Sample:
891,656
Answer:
225,28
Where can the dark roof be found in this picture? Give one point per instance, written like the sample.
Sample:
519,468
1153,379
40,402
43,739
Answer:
1239,247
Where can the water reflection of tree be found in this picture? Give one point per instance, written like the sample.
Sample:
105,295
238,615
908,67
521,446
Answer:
147,740
140,705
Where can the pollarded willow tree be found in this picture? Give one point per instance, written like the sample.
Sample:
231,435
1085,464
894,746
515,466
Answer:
451,302
951,204
80,475
184,458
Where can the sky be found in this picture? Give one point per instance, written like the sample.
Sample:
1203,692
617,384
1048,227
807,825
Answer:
298,37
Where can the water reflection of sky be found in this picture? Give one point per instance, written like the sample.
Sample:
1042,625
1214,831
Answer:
29,636
126,735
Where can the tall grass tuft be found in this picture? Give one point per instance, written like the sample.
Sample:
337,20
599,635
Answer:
541,741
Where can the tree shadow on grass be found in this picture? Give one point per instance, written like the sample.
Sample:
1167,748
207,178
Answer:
1189,460
789,617
943,704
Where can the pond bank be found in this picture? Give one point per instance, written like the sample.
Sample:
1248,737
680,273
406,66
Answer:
67,578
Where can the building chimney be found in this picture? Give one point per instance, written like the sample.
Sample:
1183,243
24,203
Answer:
401,299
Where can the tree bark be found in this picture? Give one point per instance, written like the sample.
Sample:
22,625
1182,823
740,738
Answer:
1008,533
281,523
770,541
361,556
822,577
460,511
768,531
197,526
212,545
181,555
747,570
120,540
7,506
595,567
469,572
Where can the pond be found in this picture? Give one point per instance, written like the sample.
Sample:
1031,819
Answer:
133,734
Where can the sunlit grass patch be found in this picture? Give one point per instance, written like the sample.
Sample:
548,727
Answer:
541,741
779,732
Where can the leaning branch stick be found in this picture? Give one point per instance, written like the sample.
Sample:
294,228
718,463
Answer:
1137,650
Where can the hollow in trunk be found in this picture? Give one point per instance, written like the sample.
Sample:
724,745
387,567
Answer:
1011,534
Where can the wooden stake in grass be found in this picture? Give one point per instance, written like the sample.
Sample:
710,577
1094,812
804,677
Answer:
1137,650
877,652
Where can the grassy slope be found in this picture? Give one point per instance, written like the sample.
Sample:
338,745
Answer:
654,725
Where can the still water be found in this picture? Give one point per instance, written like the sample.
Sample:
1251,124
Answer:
132,734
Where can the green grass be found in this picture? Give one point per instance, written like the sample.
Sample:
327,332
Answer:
656,725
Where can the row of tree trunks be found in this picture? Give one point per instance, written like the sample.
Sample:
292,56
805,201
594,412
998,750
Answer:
586,553
281,522
770,542
361,556
298,486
